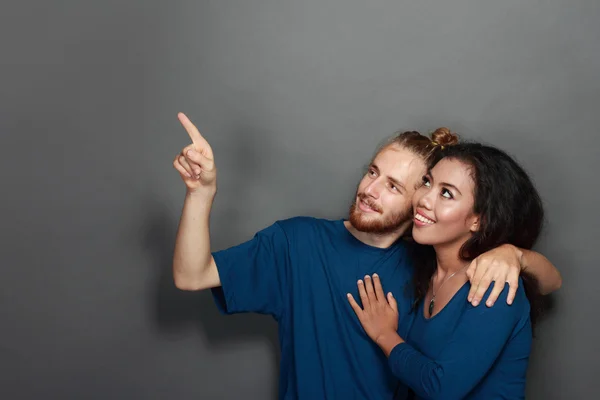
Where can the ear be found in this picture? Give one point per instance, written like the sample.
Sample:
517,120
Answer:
475,223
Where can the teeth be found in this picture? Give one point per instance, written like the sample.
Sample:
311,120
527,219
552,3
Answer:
423,219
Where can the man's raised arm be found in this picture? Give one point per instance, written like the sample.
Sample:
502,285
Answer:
193,264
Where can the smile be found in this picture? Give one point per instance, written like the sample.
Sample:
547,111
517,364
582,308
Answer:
366,207
423,219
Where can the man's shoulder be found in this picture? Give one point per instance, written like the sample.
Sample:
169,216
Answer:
300,222
307,226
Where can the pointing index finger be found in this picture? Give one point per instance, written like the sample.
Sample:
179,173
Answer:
200,143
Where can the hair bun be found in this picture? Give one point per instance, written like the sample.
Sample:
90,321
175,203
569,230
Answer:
444,137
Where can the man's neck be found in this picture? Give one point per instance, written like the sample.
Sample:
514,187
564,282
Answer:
382,241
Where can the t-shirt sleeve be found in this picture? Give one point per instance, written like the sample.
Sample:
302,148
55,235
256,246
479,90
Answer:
470,353
254,274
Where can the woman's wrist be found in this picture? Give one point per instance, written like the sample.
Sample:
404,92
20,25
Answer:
387,341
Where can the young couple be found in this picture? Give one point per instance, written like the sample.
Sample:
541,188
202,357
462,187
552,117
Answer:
362,311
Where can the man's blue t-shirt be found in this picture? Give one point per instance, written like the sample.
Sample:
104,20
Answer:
299,271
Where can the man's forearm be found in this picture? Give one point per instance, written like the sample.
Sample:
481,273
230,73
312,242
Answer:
543,270
193,265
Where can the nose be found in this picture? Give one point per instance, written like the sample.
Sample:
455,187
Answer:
425,199
374,189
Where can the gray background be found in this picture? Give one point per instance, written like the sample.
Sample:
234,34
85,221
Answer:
293,96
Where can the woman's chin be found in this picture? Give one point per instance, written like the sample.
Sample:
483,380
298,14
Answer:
421,238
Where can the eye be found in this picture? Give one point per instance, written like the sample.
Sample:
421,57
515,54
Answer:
372,173
447,194
393,187
425,181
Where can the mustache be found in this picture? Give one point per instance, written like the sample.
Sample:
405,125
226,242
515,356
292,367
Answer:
365,199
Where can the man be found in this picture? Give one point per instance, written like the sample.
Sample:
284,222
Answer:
299,270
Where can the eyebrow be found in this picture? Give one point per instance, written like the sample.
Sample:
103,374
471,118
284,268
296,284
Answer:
444,183
393,180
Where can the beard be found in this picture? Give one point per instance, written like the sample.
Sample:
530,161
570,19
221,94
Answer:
383,225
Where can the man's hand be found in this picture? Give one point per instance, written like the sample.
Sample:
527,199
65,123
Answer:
500,265
379,315
196,163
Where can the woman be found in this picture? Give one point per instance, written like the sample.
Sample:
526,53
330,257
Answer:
473,198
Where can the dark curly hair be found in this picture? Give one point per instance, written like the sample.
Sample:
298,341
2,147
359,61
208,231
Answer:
510,209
